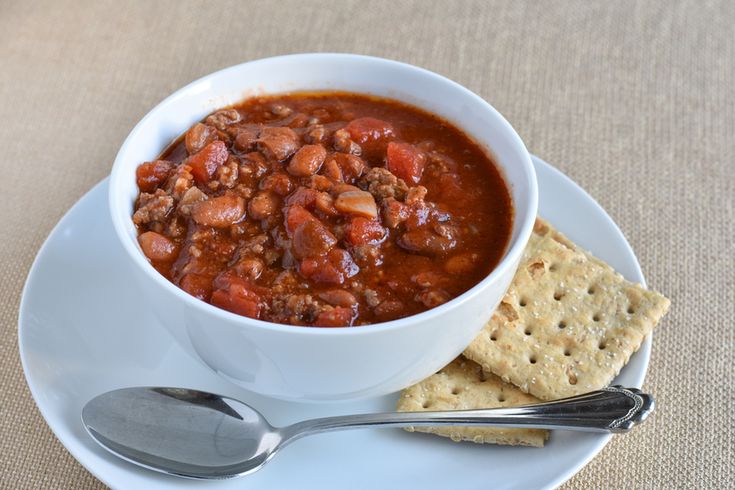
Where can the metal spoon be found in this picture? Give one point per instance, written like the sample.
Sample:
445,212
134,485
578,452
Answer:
195,434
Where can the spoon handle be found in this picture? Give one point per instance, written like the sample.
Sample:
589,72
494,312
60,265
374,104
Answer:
614,409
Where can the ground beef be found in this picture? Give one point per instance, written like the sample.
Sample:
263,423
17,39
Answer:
153,207
382,184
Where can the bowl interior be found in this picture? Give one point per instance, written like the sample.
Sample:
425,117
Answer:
323,72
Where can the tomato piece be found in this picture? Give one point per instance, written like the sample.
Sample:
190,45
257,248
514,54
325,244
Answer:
150,175
302,196
206,162
238,299
311,238
369,130
332,268
363,231
295,216
197,285
336,317
405,161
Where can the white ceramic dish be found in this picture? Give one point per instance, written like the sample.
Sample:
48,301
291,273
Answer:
323,364
81,334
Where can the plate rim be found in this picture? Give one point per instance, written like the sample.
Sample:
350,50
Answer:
645,349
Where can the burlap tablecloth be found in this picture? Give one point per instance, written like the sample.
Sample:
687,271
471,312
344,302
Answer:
633,100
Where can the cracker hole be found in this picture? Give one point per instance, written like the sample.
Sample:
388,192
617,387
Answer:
426,405
630,310
553,267
455,391
501,398
596,318
591,290
562,325
494,336
602,345
558,295
522,303
527,331
567,352
532,359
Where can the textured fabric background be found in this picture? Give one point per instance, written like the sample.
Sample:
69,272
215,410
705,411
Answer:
633,100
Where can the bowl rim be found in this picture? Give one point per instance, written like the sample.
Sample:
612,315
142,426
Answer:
511,256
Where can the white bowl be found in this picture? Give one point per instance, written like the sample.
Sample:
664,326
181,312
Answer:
324,363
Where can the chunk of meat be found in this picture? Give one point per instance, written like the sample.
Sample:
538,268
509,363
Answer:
359,203
157,247
405,161
205,163
307,160
153,207
426,242
219,212
263,205
381,183
335,317
369,130
311,239
222,119
199,136
278,143
332,268
362,231
150,175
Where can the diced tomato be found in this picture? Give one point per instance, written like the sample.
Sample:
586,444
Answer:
295,215
332,268
310,239
369,130
206,162
238,299
336,317
405,161
150,175
197,285
363,231
302,196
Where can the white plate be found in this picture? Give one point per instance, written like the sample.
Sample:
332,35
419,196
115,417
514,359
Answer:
82,332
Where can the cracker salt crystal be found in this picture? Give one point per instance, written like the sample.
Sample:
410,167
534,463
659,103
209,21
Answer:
568,323
462,385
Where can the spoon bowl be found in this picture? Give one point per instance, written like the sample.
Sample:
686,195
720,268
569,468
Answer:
195,434
182,432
